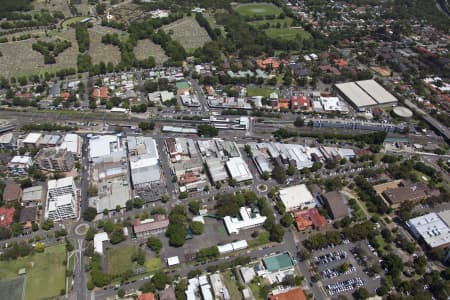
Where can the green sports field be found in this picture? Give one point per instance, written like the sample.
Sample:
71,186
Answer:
258,9
287,33
45,272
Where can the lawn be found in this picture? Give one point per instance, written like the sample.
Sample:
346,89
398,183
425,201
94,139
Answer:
12,288
273,22
45,272
288,33
153,264
146,48
101,52
187,32
119,259
258,9
382,244
256,91
263,238
231,285
256,289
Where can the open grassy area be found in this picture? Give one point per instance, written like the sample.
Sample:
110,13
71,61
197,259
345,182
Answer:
273,22
119,259
261,239
231,285
12,288
288,33
256,91
255,287
153,264
71,21
187,32
45,276
380,240
101,52
146,48
258,9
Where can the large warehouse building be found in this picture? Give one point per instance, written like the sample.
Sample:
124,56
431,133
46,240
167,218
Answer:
365,94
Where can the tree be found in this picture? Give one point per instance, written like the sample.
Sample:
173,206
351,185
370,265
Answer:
108,227
291,170
207,130
160,280
34,227
277,233
117,235
121,293
47,225
194,207
89,214
154,244
279,174
197,227
165,198
299,122
287,220
138,203
265,175
361,294
39,247
90,234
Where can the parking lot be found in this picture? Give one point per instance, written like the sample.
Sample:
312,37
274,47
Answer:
338,279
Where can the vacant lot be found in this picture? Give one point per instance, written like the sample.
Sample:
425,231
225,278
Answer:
45,276
287,33
20,59
120,259
258,9
257,91
146,48
100,52
153,264
188,33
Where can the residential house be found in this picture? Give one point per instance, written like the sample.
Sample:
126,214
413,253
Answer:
33,196
28,216
6,216
12,193
19,165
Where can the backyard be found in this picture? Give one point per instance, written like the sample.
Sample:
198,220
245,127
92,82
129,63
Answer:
45,272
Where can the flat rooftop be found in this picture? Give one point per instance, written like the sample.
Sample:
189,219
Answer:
355,94
376,91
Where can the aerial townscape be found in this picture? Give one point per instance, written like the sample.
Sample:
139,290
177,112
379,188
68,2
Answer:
225,150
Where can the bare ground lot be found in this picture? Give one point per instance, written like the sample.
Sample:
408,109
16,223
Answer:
19,59
146,48
187,32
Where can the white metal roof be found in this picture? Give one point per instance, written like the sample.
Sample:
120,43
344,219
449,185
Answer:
296,196
234,225
99,238
431,228
376,91
174,260
61,182
32,138
355,94
238,169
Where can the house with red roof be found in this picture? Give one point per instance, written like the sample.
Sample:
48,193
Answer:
100,93
271,61
309,218
300,102
146,296
283,103
6,216
292,294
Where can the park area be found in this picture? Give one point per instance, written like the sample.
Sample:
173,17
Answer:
100,52
188,33
120,260
258,10
45,274
146,48
288,33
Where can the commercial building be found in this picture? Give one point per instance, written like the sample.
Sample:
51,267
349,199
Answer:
55,159
144,161
407,191
234,246
365,94
49,141
238,169
248,220
8,141
377,92
61,199
72,143
106,147
12,193
32,140
336,204
216,169
33,196
99,238
432,228
156,225
19,165
296,197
